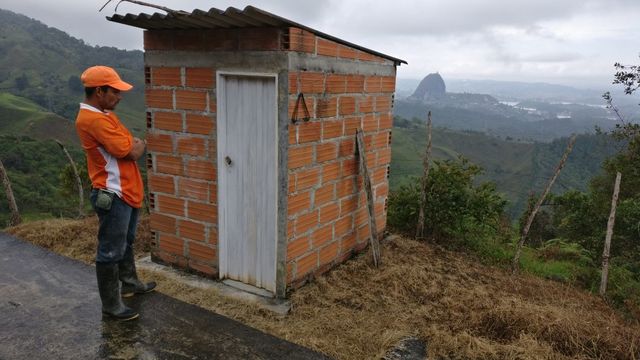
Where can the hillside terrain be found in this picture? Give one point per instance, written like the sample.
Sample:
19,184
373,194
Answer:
43,64
461,308
515,167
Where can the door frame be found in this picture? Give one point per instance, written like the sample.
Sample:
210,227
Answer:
221,143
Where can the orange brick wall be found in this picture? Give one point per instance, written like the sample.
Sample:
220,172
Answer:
182,166
304,41
327,214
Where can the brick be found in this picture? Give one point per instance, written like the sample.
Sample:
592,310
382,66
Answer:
163,223
329,213
379,175
330,172
192,230
162,99
171,244
381,140
373,84
201,169
220,39
161,183
344,226
190,145
297,247
366,104
167,121
300,156
309,132
293,134
307,179
193,189
363,233
213,193
327,48
329,253
299,202
327,107
260,39
293,83
362,217
352,124
201,252
345,188
306,264
388,84
369,123
381,191
355,83
371,159
349,167
348,205
166,164
383,104
301,40
200,124
158,40
202,212
326,151
290,228
347,52
200,78
336,84
322,236
347,105
385,121
306,222
188,40
191,100
332,129
347,243
205,269
347,148
166,76
311,83
324,195
213,234
159,143
384,157
301,114
170,205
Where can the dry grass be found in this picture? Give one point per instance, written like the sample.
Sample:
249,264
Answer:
464,310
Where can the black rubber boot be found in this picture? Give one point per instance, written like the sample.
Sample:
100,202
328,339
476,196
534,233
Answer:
130,283
109,288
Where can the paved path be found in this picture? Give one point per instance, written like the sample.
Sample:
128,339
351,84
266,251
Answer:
49,309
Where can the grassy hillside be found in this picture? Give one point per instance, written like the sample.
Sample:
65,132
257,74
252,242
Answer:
516,167
44,64
23,117
461,308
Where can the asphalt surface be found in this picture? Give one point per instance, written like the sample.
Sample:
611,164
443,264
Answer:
50,309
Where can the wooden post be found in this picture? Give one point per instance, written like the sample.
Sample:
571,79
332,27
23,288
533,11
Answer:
607,241
15,215
78,180
425,177
375,244
525,231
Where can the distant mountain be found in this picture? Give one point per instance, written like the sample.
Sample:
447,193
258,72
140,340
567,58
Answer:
515,167
43,64
431,87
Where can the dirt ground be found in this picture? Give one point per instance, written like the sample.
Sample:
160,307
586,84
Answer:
461,308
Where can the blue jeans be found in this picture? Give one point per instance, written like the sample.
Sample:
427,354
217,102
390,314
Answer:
117,229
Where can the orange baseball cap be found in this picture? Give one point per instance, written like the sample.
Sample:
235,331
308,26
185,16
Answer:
103,75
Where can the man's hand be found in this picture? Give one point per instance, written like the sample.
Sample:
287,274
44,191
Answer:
139,146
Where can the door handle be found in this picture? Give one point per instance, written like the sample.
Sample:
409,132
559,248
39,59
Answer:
227,160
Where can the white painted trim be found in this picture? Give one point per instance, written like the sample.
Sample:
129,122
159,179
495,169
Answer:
221,144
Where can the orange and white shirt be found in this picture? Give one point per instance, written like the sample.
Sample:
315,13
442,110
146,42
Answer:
106,142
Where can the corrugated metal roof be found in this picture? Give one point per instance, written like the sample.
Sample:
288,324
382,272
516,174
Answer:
230,18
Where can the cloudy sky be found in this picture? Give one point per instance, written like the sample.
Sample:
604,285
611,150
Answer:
573,42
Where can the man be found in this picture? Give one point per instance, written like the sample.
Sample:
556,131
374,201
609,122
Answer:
117,191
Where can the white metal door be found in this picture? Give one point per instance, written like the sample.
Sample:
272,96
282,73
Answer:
247,178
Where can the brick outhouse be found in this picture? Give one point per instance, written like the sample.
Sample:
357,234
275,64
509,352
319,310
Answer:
252,168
